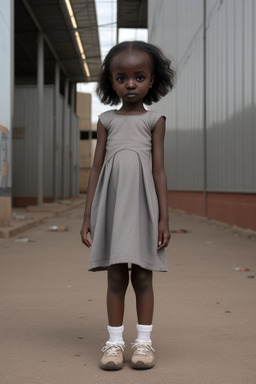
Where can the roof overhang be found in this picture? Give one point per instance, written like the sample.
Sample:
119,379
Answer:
52,19
132,13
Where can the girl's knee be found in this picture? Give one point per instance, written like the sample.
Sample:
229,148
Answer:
118,278
141,279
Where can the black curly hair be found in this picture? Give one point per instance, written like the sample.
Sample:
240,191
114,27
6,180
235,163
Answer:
161,68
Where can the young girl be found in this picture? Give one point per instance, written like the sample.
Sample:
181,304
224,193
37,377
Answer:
126,210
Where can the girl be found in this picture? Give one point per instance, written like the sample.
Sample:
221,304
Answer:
126,210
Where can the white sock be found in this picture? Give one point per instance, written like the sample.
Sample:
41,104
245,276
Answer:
144,332
116,334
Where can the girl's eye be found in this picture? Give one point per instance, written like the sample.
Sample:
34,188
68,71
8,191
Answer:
140,78
120,79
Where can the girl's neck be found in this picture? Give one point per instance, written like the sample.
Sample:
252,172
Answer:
132,109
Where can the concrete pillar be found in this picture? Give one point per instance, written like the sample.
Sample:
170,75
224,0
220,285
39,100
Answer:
65,139
6,107
71,140
73,147
40,123
204,108
56,128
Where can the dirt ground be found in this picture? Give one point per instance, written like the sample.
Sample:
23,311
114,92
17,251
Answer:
53,318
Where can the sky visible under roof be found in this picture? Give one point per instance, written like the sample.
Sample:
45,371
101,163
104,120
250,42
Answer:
106,15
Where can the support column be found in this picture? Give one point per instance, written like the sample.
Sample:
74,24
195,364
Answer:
6,108
204,110
117,35
76,147
65,136
56,148
72,139
40,123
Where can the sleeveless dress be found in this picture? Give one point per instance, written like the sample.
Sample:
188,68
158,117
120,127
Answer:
124,214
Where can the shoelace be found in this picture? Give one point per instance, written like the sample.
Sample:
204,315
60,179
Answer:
113,349
142,349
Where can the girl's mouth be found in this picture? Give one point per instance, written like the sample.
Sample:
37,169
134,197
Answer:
131,94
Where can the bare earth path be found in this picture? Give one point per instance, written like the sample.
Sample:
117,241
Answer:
53,319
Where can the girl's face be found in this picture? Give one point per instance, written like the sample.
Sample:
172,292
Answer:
131,75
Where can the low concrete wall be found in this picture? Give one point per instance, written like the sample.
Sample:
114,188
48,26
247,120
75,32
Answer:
232,208
5,209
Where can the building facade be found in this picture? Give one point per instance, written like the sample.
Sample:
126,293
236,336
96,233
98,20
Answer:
56,46
211,126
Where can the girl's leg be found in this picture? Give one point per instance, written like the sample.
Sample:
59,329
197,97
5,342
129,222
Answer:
118,280
143,355
143,287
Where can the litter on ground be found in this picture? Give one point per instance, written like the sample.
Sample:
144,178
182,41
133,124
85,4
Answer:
179,231
58,228
24,240
243,269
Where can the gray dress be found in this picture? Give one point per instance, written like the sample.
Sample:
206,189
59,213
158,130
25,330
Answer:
124,215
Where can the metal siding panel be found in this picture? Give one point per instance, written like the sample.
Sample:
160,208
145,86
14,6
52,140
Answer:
238,133
167,105
254,93
48,141
58,149
175,26
183,41
229,91
18,146
249,148
75,157
25,150
66,152
230,120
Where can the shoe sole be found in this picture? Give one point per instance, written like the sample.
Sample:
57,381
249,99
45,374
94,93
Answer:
142,365
111,367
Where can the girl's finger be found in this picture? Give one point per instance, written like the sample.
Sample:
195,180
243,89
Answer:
87,243
163,243
166,241
85,240
160,240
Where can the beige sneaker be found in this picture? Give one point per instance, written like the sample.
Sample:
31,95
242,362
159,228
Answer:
143,355
113,357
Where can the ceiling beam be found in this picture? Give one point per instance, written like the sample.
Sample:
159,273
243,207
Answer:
71,32
40,29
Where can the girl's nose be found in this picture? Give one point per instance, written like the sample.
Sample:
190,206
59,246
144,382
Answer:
131,83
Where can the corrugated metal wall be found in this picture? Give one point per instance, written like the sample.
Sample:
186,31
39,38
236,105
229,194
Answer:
56,146
74,173
48,141
231,106
58,149
230,89
25,147
66,152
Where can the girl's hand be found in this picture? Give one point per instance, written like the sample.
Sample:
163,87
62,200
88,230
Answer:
98,161
84,232
163,234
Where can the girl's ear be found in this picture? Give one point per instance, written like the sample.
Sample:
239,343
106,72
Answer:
152,80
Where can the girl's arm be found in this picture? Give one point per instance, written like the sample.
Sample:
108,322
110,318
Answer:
93,180
160,182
